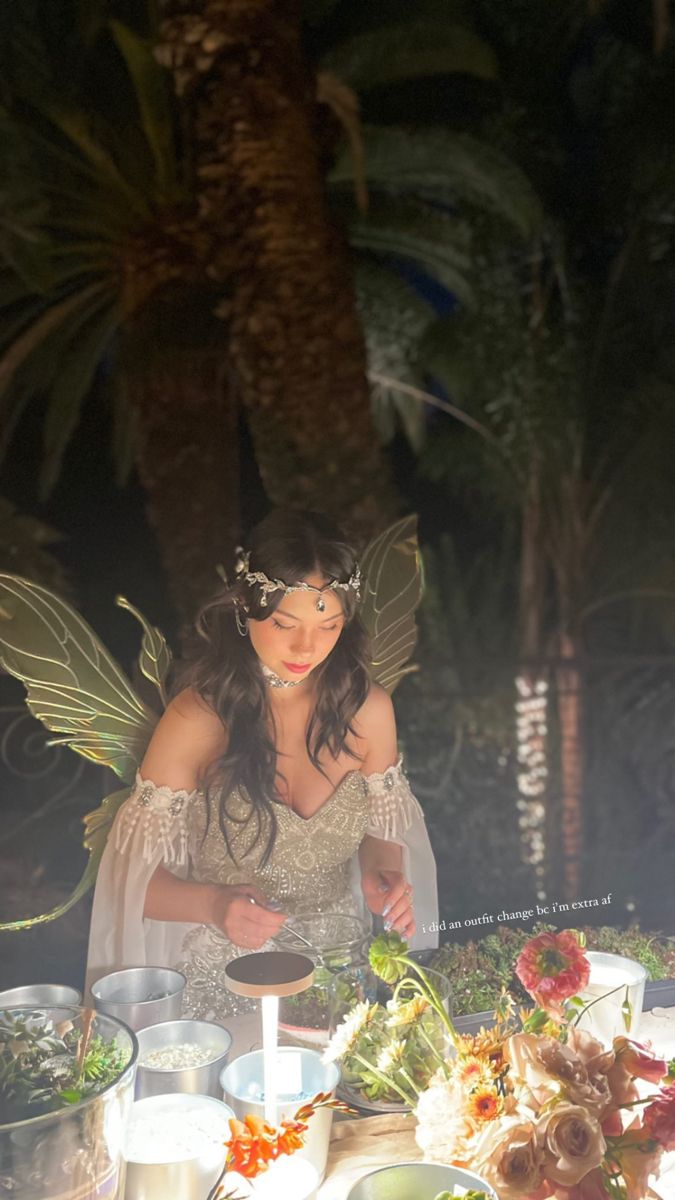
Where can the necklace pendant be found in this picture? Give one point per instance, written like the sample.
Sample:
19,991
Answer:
275,681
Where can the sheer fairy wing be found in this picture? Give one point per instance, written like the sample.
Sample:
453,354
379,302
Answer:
73,685
392,589
78,691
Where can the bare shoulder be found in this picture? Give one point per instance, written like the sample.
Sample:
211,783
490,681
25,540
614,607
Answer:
188,737
375,726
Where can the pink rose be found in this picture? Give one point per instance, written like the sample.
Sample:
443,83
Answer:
640,1061
573,1143
621,1085
596,1058
508,1156
659,1118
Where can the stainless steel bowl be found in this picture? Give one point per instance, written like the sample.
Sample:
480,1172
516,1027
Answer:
140,996
41,995
203,1080
189,1174
423,1181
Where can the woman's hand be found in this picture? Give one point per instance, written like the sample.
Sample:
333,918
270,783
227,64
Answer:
388,893
240,911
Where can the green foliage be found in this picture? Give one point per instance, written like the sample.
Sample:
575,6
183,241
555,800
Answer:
480,969
412,49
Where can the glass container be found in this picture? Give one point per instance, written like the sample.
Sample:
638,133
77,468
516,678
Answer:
333,942
74,1152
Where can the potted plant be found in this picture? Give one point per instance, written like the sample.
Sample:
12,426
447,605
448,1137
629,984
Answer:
66,1089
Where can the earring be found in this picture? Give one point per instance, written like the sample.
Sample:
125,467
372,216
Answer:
241,622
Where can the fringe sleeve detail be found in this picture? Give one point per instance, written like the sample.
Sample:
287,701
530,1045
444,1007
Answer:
391,804
157,816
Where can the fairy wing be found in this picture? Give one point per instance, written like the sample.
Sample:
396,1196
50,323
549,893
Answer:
78,691
392,589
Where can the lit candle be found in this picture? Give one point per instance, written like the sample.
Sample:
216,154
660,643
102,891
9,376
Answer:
270,1016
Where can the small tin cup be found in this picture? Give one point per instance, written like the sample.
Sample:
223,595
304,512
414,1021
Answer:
140,996
41,995
202,1080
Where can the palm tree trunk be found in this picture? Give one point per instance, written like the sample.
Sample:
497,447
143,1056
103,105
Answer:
295,340
187,454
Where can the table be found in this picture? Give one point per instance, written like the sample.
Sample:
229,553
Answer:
365,1143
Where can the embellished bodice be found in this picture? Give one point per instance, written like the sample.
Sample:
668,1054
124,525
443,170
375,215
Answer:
310,856
311,867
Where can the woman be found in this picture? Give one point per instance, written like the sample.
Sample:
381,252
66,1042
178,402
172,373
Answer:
272,786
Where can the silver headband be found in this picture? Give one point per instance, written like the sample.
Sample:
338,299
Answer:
267,585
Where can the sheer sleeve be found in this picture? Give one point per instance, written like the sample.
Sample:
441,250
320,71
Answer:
151,828
394,815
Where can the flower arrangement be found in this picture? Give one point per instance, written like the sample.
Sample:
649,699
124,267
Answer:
390,1051
254,1144
539,1107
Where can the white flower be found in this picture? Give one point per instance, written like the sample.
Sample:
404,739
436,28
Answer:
406,1012
443,1128
347,1033
390,1056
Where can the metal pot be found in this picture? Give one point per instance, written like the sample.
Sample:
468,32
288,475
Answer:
40,995
189,1174
140,996
203,1080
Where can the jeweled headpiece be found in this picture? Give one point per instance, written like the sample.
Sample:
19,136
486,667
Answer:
267,585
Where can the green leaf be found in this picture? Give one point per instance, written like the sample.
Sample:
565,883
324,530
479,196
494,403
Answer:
70,390
384,956
152,96
434,241
448,165
410,50
155,656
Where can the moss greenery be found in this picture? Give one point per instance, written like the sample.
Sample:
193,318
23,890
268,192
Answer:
479,970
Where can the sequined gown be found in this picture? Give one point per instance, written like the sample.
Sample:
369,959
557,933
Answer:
309,870
312,867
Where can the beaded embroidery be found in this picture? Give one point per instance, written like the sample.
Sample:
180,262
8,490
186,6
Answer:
391,804
160,813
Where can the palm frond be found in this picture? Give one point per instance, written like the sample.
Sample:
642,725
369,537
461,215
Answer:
410,50
445,165
394,320
152,96
70,389
435,241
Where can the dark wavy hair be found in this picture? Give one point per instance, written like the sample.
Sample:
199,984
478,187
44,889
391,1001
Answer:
226,672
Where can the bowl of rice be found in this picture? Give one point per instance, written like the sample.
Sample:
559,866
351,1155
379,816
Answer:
181,1056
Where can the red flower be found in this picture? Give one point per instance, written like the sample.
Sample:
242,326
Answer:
553,967
639,1061
659,1118
252,1145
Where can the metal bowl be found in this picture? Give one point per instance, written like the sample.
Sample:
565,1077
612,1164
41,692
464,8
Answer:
41,995
140,996
203,1080
416,1181
183,1173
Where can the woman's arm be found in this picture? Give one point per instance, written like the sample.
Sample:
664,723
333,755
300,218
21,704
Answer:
386,890
188,738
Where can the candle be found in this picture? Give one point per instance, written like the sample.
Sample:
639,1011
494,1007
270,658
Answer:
613,981
270,1017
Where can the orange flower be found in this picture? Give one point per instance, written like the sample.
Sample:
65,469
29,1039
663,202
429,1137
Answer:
252,1145
470,1070
484,1104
